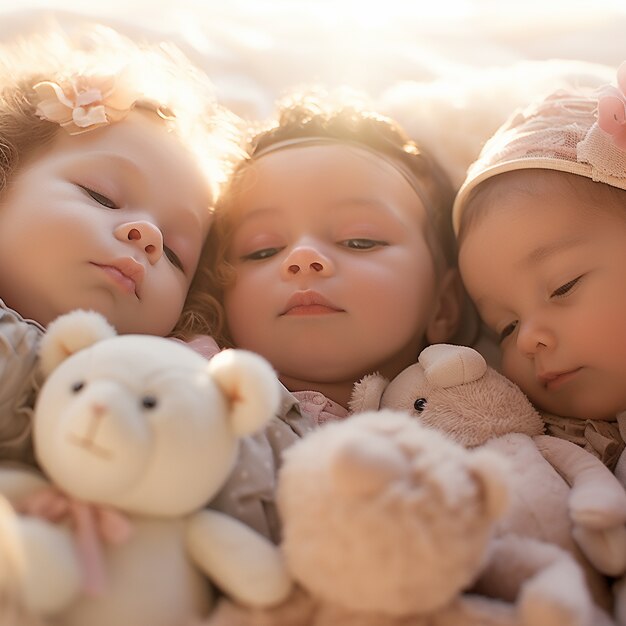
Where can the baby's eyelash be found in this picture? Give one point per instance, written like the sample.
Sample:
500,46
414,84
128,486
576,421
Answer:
260,255
99,198
173,258
509,329
563,289
362,243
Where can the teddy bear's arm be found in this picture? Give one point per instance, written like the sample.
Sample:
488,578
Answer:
298,609
52,575
475,610
17,482
544,581
597,503
597,499
239,560
367,393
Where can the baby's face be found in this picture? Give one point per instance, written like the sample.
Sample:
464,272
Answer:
547,272
111,220
334,277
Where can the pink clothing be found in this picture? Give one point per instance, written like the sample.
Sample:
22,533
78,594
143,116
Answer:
319,407
202,344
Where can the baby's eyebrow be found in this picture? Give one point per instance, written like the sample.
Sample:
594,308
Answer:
541,253
360,201
122,164
256,214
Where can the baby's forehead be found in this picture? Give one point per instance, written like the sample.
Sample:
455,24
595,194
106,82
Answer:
538,189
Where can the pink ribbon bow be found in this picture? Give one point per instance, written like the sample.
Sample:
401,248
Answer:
91,523
612,109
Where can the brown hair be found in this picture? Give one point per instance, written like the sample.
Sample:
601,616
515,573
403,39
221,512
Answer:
166,79
335,116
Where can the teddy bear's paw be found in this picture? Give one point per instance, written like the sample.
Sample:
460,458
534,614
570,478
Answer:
606,549
297,610
52,575
604,515
619,593
537,607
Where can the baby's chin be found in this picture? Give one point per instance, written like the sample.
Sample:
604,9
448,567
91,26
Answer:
582,409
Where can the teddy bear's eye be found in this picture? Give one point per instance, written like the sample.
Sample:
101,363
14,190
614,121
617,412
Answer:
77,386
420,404
148,402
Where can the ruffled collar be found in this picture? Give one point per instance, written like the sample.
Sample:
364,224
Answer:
604,439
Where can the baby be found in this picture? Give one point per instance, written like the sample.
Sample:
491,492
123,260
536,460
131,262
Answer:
334,259
541,227
110,156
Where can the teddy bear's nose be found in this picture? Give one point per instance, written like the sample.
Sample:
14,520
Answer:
98,409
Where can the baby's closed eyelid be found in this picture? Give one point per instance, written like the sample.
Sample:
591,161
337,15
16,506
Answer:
565,288
507,330
100,197
261,254
362,243
173,258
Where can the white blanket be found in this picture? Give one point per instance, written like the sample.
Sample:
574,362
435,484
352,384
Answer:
450,70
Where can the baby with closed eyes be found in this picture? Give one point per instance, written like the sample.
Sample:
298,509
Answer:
111,153
541,229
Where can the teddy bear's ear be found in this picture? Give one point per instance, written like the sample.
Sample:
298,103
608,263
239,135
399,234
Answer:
366,464
446,365
70,333
366,393
250,386
490,470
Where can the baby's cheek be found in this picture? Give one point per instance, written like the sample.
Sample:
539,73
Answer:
517,369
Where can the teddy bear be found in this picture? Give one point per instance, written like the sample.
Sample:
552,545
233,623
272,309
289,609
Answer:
134,435
387,523
561,494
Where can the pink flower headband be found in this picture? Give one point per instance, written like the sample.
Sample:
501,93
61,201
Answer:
83,103
612,109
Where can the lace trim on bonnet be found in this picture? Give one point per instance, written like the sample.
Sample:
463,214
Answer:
579,131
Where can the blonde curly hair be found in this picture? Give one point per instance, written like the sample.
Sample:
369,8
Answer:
164,75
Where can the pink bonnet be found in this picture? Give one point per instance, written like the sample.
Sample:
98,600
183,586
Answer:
577,131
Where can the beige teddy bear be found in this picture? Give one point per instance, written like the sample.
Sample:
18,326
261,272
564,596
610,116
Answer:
387,523
136,434
561,494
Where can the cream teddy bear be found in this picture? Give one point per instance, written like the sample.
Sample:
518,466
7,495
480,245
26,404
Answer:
562,494
136,434
387,523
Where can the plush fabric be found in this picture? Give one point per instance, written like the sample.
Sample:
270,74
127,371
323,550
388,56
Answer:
389,523
561,493
135,434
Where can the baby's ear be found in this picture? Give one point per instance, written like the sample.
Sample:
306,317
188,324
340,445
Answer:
70,333
447,310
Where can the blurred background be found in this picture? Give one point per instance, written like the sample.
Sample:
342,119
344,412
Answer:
449,70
